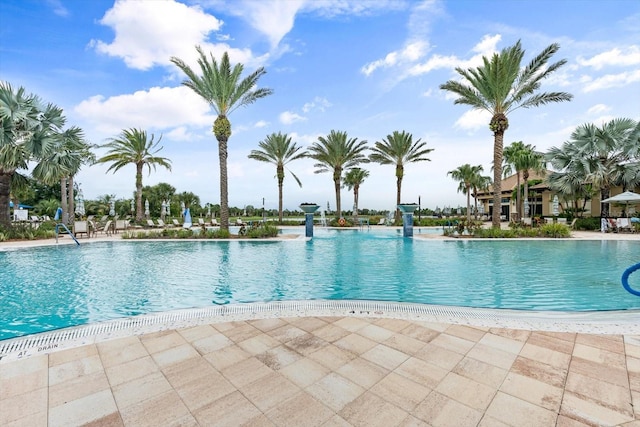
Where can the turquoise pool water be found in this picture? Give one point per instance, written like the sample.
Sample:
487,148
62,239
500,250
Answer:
48,288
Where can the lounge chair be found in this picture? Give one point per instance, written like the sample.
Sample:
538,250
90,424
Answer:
239,222
176,223
150,223
623,224
121,224
562,221
382,221
548,220
161,223
201,222
214,222
108,227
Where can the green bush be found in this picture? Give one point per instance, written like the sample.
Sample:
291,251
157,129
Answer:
588,224
554,230
262,230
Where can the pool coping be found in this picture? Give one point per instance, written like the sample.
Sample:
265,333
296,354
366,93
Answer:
593,322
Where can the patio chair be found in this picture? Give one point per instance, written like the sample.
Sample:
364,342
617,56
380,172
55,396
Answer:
214,222
121,224
108,228
239,222
527,221
176,223
382,221
201,222
80,227
161,223
562,221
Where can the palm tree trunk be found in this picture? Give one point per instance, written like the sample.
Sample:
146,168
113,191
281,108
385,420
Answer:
399,175
139,213
70,197
497,177
468,206
355,203
5,190
525,176
280,181
604,207
224,186
64,203
336,184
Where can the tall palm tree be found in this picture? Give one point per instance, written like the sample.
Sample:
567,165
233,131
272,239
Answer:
399,149
352,180
279,150
602,156
334,153
29,131
501,85
133,146
221,87
466,175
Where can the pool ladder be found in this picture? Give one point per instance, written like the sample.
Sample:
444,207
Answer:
68,231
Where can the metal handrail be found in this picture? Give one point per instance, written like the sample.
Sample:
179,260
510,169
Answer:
68,231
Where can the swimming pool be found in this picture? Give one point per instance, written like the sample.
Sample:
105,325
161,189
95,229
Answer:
52,287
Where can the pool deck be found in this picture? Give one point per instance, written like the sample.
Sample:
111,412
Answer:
317,370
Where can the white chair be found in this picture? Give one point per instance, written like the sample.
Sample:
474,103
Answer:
527,221
562,221
80,227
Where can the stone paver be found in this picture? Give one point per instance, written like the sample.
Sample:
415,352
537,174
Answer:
330,371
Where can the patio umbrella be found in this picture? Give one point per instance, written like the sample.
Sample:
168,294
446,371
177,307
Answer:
187,218
626,198
112,208
168,208
132,206
80,204
146,207
555,206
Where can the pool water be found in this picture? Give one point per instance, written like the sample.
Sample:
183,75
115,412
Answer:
52,287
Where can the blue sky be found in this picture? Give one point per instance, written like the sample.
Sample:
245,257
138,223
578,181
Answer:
364,67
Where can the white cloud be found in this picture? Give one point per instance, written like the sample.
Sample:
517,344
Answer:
58,8
473,119
318,103
289,117
149,33
273,18
180,134
612,80
261,124
613,57
410,53
157,108
598,109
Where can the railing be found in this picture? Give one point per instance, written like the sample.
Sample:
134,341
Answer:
68,231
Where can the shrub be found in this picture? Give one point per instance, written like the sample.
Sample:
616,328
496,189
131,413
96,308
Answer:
554,230
591,223
262,230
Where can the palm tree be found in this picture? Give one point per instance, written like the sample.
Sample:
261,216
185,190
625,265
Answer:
352,180
29,131
133,146
399,149
221,87
501,85
510,157
64,163
466,175
530,160
278,150
335,153
601,156
479,183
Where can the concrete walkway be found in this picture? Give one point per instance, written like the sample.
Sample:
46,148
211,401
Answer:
338,371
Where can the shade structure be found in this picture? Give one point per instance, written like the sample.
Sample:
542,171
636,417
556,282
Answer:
80,204
112,208
627,198
146,207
